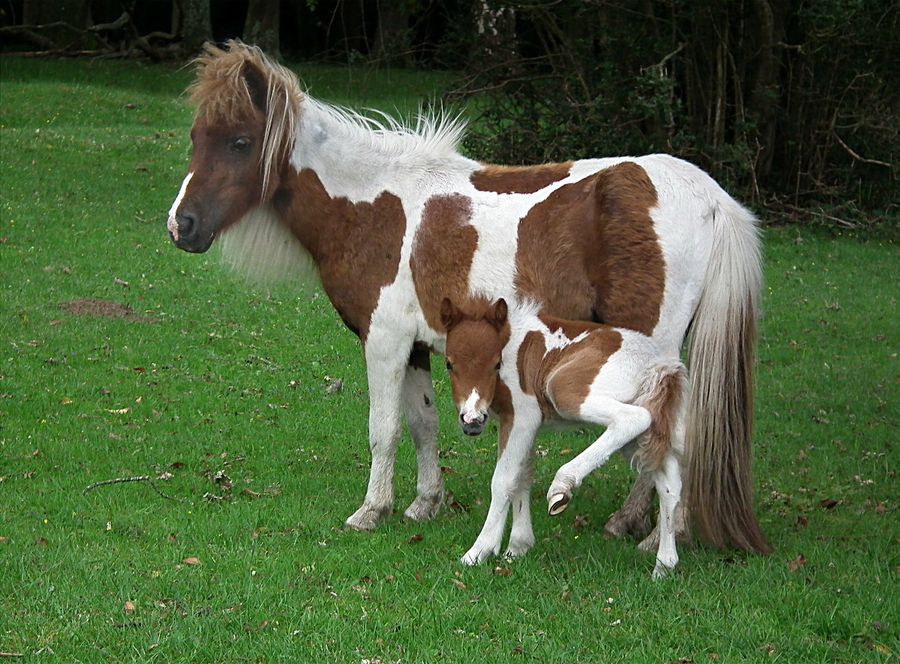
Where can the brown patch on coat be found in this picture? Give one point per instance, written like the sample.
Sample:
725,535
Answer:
570,371
442,254
355,245
664,403
590,252
502,405
519,179
561,379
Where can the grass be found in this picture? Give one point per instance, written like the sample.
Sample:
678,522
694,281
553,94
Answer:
213,376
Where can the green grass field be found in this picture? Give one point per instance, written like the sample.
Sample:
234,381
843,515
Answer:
194,373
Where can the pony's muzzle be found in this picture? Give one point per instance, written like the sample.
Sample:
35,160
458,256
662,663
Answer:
472,425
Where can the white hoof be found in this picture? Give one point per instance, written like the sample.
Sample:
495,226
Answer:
517,549
663,569
557,503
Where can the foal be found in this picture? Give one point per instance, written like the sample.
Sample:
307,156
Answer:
530,368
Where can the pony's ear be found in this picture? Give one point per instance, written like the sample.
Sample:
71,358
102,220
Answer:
257,85
449,314
500,312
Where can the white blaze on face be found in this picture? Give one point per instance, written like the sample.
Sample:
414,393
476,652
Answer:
172,224
469,410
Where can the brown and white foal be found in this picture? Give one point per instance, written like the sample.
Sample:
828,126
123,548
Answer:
529,368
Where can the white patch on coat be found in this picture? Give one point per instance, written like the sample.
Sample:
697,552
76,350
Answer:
172,223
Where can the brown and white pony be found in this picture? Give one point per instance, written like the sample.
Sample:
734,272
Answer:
529,369
394,220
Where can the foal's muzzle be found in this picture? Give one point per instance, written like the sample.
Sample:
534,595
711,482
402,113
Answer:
473,426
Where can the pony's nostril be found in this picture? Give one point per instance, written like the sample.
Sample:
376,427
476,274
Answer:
186,223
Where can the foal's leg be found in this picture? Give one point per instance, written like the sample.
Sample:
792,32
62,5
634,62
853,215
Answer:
385,368
521,537
421,418
668,486
623,423
505,484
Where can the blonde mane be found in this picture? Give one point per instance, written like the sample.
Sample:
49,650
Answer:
221,93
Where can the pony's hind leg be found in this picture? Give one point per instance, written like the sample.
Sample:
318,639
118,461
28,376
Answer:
421,418
633,518
623,423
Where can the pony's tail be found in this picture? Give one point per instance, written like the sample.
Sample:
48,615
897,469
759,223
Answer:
721,357
662,394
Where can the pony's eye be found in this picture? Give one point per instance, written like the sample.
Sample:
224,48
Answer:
241,144
497,368
449,365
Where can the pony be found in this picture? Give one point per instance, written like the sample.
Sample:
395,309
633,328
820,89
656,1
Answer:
530,368
392,219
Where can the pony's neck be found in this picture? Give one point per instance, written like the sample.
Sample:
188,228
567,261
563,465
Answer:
358,158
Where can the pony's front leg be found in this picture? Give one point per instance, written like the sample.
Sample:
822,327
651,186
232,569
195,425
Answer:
512,466
668,486
521,536
385,368
623,423
421,418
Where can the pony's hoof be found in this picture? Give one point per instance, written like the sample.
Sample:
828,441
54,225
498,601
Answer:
366,518
558,503
623,523
424,508
650,544
517,549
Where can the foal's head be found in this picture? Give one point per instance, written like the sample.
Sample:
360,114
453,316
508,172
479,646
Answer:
476,335
242,136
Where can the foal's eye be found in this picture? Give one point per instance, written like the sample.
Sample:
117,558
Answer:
449,365
497,368
241,144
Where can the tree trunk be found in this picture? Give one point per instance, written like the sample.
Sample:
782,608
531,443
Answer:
392,37
196,26
262,26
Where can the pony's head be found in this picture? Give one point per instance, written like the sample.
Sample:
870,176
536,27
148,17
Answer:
246,112
476,335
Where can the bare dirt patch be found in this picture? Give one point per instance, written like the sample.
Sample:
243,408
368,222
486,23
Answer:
104,309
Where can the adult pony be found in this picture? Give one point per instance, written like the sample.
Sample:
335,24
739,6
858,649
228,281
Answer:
395,219
529,369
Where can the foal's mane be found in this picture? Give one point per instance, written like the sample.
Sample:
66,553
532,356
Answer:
224,92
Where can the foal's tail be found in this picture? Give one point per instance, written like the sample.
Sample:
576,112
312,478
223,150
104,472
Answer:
663,391
722,353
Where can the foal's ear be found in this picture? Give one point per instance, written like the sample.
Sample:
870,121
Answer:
500,312
257,85
449,314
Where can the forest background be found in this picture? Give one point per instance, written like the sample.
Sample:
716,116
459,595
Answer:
794,106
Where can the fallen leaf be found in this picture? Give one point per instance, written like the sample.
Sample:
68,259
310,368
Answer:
118,411
418,537
459,584
797,563
128,608
579,522
41,541
828,503
502,571
121,282
802,522
192,560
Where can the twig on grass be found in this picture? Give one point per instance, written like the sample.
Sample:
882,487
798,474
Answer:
136,478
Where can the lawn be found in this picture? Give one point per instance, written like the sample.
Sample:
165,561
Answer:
122,356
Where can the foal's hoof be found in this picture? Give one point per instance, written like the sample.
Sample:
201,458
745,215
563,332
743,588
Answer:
558,503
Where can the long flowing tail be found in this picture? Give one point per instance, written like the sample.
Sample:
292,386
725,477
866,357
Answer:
721,357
